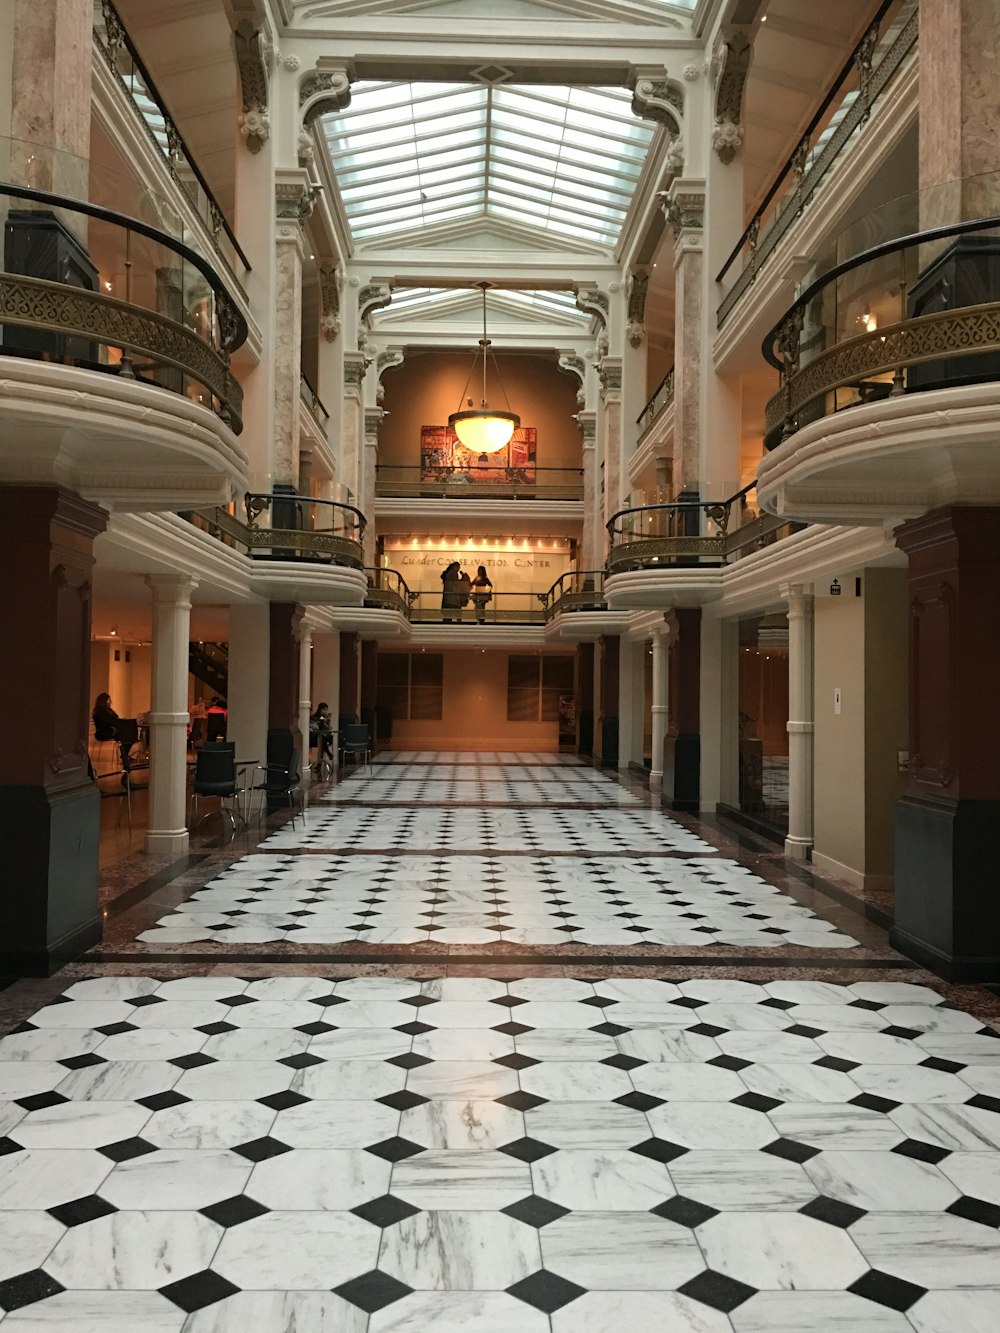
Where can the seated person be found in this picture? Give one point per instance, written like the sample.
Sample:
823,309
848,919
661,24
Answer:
215,720
105,719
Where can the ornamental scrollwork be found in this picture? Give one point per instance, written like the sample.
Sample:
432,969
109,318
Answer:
593,302
375,296
658,100
322,92
255,121
330,278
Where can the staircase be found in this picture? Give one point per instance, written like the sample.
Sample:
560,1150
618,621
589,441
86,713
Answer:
209,662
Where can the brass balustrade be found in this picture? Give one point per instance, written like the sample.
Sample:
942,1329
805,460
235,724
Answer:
389,591
660,400
577,590
406,481
302,528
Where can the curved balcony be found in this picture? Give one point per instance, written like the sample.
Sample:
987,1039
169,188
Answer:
88,287
890,375
578,590
389,591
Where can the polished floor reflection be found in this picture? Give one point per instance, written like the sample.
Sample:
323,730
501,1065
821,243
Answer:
803,1134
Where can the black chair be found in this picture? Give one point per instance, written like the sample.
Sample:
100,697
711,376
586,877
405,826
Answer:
357,741
215,775
215,726
220,745
281,780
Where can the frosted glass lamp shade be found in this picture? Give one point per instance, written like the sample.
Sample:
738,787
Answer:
484,432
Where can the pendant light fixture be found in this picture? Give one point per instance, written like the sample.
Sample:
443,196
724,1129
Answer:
483,429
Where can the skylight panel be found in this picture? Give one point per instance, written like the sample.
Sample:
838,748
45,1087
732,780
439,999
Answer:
412,155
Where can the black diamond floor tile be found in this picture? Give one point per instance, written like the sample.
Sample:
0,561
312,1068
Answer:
922,1152
534,1211
385,1211
372,1291
685,1212
884,1289
126,1149
976,1210
259,1150
231,1212
199,1290
27,1289
527,1149
78,1211
834,1212
717,1291
394,1149
546,1291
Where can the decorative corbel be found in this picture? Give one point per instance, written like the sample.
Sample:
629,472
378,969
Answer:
673,160
659,99
387,360
375,296
575,365
635,326
610,374
305,149
323,91
593,302
355,366
684,209
734,56
255,120
330,278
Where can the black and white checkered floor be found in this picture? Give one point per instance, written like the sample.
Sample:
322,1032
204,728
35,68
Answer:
386,869
216,1155
377,1154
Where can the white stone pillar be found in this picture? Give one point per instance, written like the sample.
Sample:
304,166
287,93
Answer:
249,676
326,672
591,543
799,841
659,710
366,490
630,702
168,718
685,211
305,702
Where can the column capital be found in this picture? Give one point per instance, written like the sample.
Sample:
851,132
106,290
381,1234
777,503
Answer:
176,588
799,596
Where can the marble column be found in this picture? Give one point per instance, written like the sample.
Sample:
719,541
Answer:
366,491
682,750
353,424
348,705
800,725
326,673
947,907
287,354
609,662
283,677
585,699
659,708
48,115
247,691
959,151
685,211
369,686
168,717
610,433
591,537
305,695
49,809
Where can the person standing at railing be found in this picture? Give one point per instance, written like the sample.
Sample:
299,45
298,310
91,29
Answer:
451,598
481,593
464,590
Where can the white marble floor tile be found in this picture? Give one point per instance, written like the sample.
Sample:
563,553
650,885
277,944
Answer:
584,1081
599,1180
27,1078
957,1128
26,1239
176,1178
975,1173
458,1312
829,1125
459,1250
235,1080
210,1126
799,1082
297,1251
319,1178
278,1312
134,1251
742,1181
462,1080
932,1250
98,1312
81,1125
612,1311
45,1177
461,1125
946,1311
586,1125
882,1182
831,1311
477,1179
715,1125
781,1252
621,1251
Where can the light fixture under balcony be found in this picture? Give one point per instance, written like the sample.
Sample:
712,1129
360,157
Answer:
483,429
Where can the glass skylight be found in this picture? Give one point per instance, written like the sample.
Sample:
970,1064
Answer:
410,155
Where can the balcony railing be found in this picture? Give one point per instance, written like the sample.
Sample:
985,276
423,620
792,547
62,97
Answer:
927,305
663,396
541,483
389,591
503,608
116,48
579,590
667,535
93,288
845,110
313,402
286,526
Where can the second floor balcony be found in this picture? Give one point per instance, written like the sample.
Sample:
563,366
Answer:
482,483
